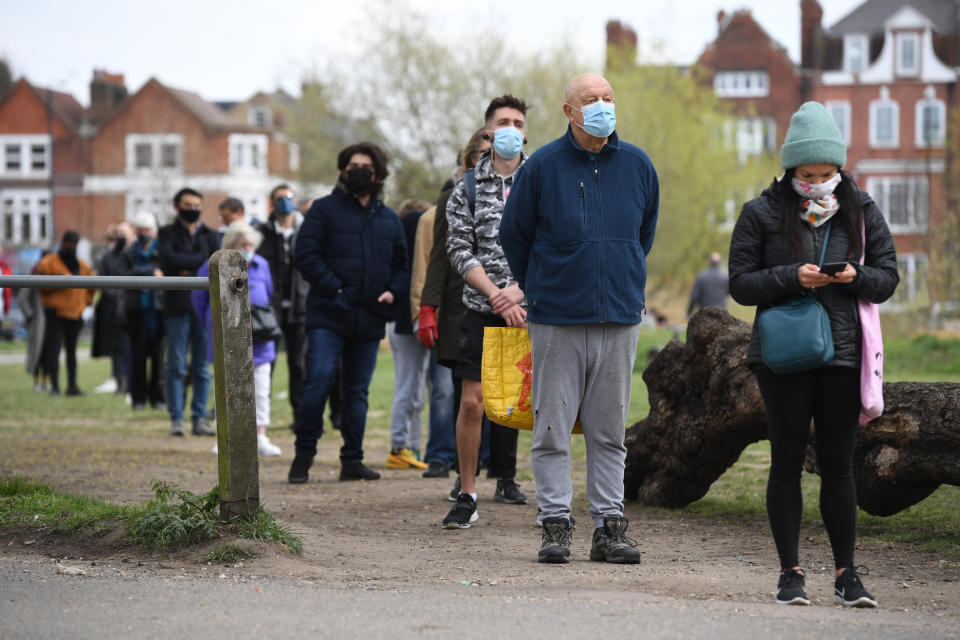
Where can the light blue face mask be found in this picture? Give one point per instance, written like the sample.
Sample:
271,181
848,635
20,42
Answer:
599,119
507,142
247,255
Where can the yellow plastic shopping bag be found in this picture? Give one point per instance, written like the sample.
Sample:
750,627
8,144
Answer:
507,378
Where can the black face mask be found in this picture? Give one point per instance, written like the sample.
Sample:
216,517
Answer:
144,239
120,243
190,215
359,181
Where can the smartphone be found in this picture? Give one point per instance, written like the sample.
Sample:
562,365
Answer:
833,268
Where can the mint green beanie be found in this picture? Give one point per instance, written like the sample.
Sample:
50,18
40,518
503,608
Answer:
813,137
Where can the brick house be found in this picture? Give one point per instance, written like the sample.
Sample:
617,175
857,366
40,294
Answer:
122,155
886,71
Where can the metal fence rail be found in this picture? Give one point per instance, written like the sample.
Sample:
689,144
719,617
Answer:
163,283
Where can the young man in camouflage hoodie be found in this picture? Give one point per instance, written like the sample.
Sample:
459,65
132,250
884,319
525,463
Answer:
490,292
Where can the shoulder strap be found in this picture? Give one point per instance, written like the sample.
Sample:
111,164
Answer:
826,239
470,187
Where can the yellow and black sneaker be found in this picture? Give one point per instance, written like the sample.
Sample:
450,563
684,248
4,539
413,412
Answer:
404,459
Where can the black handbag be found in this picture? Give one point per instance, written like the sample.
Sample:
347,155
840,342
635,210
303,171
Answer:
795,336
264,323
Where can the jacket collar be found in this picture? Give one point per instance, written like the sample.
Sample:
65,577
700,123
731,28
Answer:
484,169
613,142
340,190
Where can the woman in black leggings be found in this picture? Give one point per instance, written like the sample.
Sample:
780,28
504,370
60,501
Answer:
774,256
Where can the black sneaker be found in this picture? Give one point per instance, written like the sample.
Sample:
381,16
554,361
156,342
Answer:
555,541
462,514
357,471
611,544
509,492
455,492
437,470
299,470
849,590
791,588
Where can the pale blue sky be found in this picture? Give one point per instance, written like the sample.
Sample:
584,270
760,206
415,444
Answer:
230,50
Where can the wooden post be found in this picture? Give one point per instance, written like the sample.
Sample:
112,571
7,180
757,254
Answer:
233,381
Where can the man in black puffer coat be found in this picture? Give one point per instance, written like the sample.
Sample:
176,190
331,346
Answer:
352,251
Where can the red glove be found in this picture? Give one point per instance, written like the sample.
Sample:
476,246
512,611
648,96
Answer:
427,331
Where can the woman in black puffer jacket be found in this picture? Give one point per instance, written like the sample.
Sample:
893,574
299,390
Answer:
774,251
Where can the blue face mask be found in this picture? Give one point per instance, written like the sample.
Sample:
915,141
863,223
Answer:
507,142
247,255
599,119
283,206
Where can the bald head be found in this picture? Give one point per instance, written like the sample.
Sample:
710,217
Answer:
585,88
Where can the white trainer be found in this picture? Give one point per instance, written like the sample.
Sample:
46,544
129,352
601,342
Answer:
266,448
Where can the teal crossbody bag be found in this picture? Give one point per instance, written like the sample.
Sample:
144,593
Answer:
795,336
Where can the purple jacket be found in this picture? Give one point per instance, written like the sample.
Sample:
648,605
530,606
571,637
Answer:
261,290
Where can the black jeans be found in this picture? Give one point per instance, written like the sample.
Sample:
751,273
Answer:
831,397
61,332
295,344
143,347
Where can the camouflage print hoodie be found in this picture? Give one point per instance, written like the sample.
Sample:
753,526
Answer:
474,238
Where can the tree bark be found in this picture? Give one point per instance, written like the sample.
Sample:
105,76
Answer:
705,408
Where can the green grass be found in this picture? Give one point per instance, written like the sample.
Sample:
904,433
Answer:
175,519
230,553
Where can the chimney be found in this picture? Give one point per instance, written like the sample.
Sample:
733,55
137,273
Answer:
721,16
621,44
107,90
811,29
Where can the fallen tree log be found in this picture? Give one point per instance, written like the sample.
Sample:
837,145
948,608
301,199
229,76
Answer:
705,408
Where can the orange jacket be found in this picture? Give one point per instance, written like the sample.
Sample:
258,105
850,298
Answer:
69,303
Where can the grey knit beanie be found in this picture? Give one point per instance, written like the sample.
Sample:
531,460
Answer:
813,137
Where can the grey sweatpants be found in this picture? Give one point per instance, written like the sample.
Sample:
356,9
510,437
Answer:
585,368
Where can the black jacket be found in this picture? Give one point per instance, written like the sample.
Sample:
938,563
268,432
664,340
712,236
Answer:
350,254
181,254
763,270
404,324
443,288
288,283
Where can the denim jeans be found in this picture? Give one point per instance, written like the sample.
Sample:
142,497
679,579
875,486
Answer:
410,362
186,332
441,441
324,350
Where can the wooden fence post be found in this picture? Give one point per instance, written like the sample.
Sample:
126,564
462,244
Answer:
233,381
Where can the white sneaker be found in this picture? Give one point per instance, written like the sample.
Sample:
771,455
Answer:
215,449
266,448
107,386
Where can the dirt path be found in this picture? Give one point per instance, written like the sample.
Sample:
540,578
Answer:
386,534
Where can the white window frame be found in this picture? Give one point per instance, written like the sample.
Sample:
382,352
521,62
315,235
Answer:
156,141
25,142
941,135
248,153
918,221
850,42
911,267
38,211
913,38
840,110
875,106
741,84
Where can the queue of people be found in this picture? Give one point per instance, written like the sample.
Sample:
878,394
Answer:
555,242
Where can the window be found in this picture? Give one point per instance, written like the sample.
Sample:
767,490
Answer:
884,122
248,153
904,201
931,114
840,110
908,54
259,116
38,157
294,156
144,153
154,152
25,217
741,84
914,287
755,136
12,156
855,53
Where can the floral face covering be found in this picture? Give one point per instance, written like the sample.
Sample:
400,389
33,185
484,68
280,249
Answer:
819,203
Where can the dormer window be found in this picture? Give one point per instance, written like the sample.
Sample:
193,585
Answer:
908,54
856,51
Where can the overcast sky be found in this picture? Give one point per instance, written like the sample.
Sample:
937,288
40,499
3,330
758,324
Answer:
230,50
